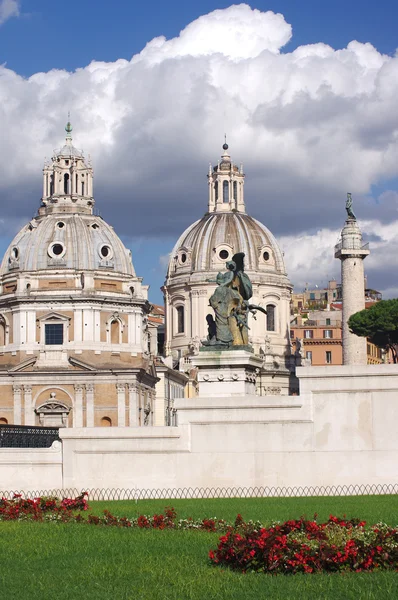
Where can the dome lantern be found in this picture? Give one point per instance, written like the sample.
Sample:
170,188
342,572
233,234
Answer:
226,182
67,181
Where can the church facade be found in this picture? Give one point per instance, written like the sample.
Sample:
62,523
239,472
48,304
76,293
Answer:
203,250
74,348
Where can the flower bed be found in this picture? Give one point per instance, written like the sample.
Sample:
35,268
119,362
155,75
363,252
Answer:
296,546
301,546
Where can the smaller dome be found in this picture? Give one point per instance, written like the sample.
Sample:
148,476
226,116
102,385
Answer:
217,236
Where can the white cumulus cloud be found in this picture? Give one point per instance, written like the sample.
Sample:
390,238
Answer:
308,124
8,9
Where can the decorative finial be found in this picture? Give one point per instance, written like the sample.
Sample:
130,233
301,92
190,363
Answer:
68,126
348,207
225,145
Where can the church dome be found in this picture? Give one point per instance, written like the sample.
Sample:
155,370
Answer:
226,229
66,234
211,241
68,241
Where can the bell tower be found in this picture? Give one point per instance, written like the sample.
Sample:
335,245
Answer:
226,182
67,181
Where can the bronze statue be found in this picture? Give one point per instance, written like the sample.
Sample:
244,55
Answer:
231,306
348,207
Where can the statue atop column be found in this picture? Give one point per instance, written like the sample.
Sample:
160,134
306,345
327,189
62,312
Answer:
348,207
230,302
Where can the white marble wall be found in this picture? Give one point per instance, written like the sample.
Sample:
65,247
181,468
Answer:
341,430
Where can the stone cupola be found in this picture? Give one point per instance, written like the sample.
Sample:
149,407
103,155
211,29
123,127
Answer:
226,182
67,181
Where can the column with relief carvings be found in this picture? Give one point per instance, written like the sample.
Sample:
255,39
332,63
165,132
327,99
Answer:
121,404
133,404
17,389
78,410
89,405
29,414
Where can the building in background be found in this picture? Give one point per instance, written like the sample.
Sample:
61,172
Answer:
74,334
202,251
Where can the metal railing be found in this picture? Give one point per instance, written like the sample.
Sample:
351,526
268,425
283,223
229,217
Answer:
26,436
219,492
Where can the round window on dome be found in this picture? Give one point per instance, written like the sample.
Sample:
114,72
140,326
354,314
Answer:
266,256
56,250
223,254
60,224
105,251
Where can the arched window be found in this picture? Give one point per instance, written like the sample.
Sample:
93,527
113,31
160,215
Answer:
235,190
2,332
225,192
180,319
216,190
66,183
106,422
82,188
115,332
270,308
51,185
3,421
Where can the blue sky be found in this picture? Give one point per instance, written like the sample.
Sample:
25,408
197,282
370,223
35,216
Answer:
308,126
69,35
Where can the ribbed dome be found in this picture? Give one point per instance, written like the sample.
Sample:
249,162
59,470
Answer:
74,241
199,247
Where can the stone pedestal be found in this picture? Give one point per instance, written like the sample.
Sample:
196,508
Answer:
224,373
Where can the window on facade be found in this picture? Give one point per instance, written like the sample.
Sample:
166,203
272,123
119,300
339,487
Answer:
82,188
292,334
308,333
180,319
216,190
51,185
270,308
308,355
106,422
328,357
3,421
328,333
66,183
225,192
235,190
2,332
300,304
54,334
115,328
327,321
312,296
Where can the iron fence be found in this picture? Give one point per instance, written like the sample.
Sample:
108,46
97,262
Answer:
198,493
26,436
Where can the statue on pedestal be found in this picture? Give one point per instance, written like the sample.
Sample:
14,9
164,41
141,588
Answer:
348,207
231,307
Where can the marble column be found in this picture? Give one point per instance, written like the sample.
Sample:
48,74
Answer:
89,405
133,404
17,389
121,404
78,409
28,410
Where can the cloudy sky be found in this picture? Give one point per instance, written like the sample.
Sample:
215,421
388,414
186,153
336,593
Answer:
306,92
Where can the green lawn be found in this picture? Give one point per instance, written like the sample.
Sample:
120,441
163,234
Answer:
67,562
